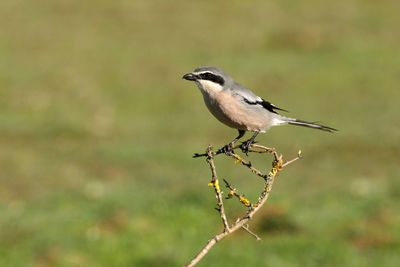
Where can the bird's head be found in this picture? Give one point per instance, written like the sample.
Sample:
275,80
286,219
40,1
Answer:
208,79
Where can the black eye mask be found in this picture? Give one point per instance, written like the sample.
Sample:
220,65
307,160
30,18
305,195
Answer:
212,77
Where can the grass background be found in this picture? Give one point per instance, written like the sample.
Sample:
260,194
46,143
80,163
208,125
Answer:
97,130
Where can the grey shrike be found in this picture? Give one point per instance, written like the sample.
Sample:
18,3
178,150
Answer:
238,107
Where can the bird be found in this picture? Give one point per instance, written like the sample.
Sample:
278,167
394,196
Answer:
237,107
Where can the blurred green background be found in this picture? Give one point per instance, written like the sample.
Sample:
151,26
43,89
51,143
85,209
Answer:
97,130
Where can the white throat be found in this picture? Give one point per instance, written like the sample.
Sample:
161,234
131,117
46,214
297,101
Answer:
209,87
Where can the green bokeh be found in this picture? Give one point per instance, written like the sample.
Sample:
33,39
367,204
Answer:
97,130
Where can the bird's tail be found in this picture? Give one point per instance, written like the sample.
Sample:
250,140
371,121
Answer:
311,125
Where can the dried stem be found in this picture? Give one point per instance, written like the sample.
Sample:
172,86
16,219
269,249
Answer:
246,228
215,183
252,209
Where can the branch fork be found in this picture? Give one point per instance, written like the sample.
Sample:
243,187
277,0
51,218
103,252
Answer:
240,223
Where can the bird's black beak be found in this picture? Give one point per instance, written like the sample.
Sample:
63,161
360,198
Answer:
189,77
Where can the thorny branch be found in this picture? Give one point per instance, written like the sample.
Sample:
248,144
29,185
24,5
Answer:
252,208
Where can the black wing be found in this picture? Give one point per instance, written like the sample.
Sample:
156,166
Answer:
267,105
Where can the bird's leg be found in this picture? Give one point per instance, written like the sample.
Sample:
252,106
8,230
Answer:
227,149
245,146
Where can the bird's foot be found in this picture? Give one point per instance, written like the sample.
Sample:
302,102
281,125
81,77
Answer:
227,149
245,146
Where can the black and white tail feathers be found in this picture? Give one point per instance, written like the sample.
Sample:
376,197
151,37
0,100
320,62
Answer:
311,125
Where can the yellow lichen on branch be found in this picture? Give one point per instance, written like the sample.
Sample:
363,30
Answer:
245,201
240,223
215,183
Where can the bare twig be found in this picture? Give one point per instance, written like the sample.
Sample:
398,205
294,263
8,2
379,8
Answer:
264,149
269,178
248,165
215,183
292,160
246,228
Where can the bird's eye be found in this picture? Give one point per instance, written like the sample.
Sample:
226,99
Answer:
207,75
